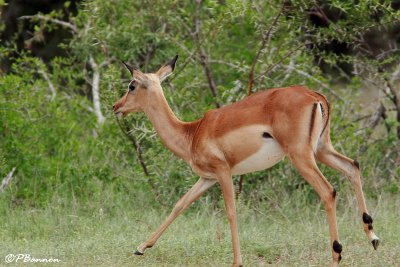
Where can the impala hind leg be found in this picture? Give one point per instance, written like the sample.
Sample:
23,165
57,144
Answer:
350,168
193,194
306,165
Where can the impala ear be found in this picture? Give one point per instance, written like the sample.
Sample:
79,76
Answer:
167,69
130,68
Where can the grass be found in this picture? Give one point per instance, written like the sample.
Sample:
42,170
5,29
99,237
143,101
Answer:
103,236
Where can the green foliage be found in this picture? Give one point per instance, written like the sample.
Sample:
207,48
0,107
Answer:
60,151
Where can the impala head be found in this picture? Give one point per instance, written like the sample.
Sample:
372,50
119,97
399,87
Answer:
142,88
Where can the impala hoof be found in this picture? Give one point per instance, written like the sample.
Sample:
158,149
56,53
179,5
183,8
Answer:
375,243
137,252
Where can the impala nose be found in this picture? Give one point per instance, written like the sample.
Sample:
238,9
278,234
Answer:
116,107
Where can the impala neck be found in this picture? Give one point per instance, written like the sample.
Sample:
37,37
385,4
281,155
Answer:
174,133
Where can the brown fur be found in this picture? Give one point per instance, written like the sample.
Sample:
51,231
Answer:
281,110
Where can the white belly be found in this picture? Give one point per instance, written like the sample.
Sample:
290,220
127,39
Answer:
268,155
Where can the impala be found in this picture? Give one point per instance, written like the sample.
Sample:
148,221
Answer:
250,135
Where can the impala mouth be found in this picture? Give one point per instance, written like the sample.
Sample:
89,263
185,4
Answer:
119,114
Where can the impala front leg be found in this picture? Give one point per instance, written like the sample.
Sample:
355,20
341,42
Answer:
193,194
225,180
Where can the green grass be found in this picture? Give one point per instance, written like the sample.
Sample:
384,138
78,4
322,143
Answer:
286,236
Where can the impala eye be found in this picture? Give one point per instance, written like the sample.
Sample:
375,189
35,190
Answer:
131,86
